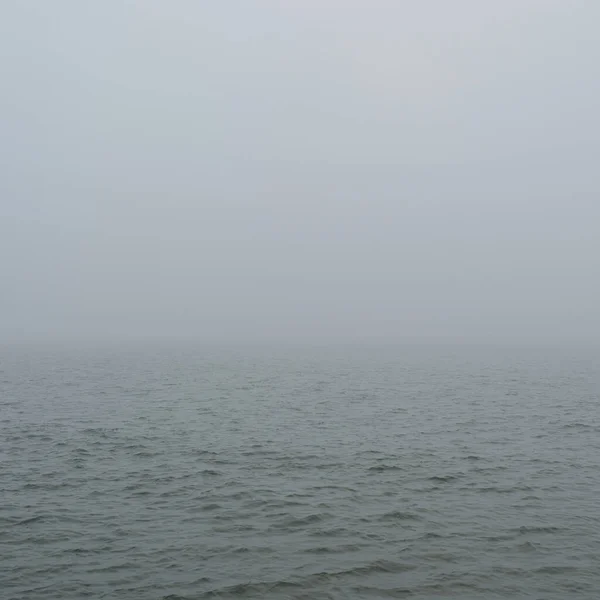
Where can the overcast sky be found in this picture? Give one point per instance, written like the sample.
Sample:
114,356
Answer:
303,170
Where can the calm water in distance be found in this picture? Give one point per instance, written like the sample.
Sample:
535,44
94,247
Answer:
174,471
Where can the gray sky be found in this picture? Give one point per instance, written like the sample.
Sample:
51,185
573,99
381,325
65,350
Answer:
319,169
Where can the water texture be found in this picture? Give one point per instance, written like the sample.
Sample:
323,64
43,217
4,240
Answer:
166,472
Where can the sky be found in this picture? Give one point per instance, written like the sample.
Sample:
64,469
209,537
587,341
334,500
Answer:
243,170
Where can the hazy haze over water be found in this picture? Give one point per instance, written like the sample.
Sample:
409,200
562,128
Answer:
331,170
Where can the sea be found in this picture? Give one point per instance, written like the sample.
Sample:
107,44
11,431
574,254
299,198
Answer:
168,471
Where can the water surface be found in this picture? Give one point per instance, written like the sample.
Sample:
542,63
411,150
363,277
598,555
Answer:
186,472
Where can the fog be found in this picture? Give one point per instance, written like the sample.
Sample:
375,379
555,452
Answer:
320,170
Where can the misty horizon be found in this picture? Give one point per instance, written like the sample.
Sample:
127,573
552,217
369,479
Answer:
339,172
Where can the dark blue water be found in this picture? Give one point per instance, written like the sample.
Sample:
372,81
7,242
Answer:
185,472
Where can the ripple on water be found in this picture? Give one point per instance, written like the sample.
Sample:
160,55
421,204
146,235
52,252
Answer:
186,474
